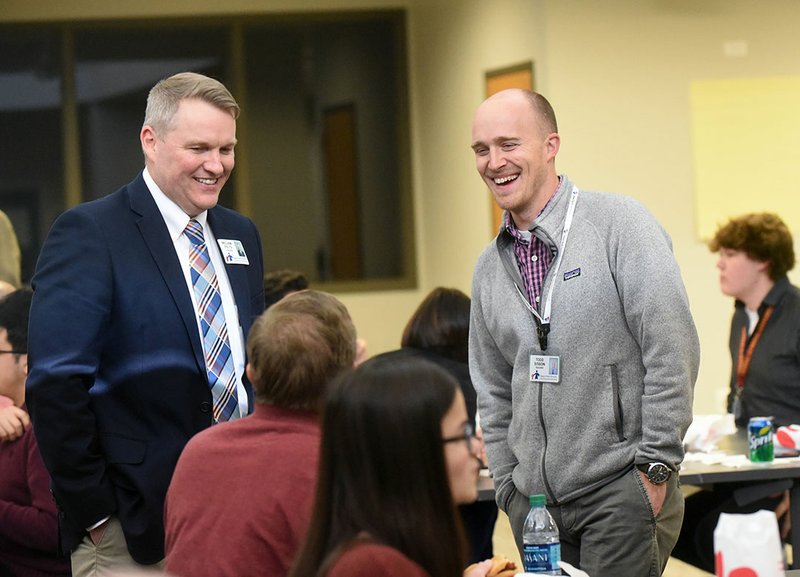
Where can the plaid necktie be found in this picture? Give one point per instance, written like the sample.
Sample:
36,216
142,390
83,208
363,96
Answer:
219,360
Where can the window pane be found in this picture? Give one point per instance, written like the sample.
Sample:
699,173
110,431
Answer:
114,71
326,104
30,135
325,148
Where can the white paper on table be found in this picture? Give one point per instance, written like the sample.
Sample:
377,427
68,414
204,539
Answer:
706,430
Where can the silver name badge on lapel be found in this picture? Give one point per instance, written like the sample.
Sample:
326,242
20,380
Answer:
545,368
232,251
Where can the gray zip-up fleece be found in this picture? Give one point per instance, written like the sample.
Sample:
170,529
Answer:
620,322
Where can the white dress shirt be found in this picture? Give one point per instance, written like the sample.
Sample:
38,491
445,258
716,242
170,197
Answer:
176,221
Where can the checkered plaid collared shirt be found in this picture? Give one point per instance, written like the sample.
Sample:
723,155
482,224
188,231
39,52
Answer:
533,258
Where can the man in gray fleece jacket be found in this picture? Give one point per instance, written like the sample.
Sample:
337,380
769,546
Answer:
582,349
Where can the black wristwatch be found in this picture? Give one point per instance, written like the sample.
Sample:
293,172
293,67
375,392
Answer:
657,473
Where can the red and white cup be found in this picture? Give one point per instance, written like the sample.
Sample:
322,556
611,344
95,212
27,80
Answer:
788,436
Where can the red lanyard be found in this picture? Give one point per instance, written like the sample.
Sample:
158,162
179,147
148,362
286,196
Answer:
743,365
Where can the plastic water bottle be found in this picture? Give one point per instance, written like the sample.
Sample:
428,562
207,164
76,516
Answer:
541,549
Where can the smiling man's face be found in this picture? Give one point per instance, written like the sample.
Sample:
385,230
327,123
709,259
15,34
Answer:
514,155
192,160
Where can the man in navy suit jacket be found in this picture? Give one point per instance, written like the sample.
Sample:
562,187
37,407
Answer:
118,381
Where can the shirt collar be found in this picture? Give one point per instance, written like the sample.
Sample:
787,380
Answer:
173,215
774,295
508,222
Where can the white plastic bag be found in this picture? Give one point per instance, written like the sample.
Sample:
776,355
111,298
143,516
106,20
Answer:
748,545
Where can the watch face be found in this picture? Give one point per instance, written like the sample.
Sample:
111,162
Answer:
658,473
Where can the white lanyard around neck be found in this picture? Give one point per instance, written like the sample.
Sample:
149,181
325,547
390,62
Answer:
543,324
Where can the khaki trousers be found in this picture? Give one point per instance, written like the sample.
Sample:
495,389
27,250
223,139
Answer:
107,558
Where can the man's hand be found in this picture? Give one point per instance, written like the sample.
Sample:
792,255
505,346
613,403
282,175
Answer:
13,422
478,569
656,493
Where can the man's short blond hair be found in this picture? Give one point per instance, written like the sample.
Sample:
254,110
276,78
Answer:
165,98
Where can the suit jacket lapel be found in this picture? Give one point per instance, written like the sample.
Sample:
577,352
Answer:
156,236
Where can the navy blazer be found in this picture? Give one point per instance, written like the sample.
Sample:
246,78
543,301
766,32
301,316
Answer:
117,383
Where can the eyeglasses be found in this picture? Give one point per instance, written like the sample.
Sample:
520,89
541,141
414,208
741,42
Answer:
468,436
12,352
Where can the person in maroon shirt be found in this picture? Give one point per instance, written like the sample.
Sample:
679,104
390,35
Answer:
28,519
240,500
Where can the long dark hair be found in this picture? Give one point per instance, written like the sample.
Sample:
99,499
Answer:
440,324
382,470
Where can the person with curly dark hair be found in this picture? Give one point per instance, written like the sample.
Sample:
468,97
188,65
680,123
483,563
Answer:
755,253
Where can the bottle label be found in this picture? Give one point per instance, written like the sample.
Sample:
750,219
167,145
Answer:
540,557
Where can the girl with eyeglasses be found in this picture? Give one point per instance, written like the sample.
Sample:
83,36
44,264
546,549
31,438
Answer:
397,455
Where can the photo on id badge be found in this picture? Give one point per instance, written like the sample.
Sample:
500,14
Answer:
545,368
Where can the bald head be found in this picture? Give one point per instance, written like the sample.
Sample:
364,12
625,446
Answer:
515,140
541,108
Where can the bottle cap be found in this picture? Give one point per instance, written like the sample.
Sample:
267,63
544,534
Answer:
537,500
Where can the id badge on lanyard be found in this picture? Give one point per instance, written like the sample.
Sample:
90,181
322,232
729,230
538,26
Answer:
547,368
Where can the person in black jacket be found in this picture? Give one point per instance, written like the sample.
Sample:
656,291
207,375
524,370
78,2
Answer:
439,331
756,251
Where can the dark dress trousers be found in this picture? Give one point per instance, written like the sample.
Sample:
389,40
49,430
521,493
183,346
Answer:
117,382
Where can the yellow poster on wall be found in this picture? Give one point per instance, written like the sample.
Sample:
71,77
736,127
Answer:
746,148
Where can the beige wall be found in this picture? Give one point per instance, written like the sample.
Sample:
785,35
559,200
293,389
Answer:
618,74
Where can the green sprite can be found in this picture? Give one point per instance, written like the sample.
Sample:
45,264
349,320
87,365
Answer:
759,437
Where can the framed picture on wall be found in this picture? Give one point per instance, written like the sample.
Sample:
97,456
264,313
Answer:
515,76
